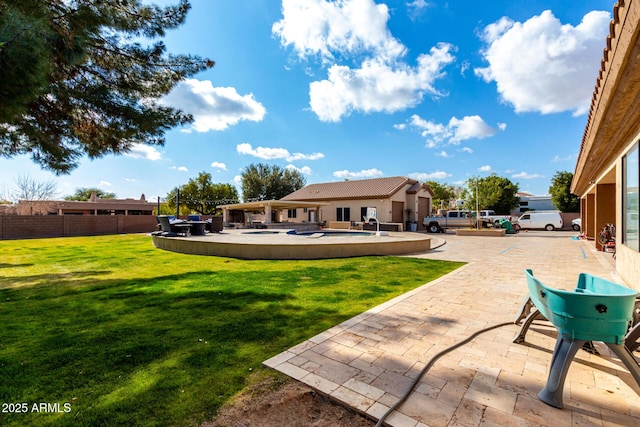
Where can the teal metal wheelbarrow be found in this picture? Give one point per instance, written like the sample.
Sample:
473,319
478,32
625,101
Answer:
505,223
596,310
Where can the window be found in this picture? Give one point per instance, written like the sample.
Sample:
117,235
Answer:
363,213
292,213
630,209
453,214
138,213
109,212
343,214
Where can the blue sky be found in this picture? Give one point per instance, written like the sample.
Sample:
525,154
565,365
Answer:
352,89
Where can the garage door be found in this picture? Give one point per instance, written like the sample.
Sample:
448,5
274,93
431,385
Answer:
397,212
424,208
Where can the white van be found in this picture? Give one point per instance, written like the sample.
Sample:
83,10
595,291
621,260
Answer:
549,220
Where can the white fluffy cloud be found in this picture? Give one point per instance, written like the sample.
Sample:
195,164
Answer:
526,175
485,168
424,176
357,31
365,173
213,108
219,165
569,158
416,8
180,168
469,127
142,151
268,153
542,65
305,170
320,27
377,86
454,132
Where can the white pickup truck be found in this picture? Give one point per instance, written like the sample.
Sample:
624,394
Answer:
452,219
489,216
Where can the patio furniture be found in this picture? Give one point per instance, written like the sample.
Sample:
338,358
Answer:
174,228
596,310
197,227
214,224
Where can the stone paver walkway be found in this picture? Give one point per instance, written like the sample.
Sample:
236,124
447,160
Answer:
369,361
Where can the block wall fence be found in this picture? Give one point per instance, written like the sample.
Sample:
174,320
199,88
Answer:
14,227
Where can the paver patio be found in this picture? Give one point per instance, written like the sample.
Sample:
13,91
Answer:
369,361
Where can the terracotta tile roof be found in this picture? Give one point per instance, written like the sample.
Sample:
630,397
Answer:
420,186
605,65
358,189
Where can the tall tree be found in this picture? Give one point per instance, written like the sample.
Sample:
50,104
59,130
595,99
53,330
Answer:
263,182
83,194
201,195
33,190
442,194
75,79
494,192
560,191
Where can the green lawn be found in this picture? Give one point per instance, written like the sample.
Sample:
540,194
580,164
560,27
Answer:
126,334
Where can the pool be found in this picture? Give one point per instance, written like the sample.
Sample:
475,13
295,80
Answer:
261,232
330,233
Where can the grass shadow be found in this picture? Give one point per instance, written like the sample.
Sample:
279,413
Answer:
48,280
7,265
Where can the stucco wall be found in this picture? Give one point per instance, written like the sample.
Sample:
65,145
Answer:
628,266
627,260
383,206
383,209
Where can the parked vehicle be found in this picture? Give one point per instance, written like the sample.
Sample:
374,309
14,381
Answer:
548,220
489,216
576,224
452,219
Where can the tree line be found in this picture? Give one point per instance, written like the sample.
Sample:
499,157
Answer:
258,182
270,182
500,194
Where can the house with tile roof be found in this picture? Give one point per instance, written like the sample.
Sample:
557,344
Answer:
607,176
394,200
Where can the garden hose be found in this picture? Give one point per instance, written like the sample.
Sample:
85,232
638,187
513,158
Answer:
432,362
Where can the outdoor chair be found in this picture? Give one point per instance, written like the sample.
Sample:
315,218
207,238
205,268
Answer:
173,229
596,310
